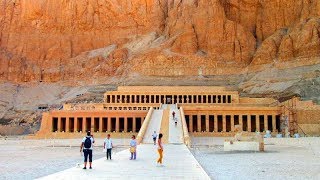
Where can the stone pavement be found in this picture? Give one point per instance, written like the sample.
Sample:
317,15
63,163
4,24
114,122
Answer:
178,162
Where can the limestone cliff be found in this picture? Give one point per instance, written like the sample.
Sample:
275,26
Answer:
82,40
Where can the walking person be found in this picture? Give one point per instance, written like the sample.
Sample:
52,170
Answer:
173,114
175,121
154,137
108,145
160,149
133,148
86,145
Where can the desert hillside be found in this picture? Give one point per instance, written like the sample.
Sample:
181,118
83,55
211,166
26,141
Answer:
53,50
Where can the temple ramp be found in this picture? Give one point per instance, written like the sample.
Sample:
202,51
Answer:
175,131
154,125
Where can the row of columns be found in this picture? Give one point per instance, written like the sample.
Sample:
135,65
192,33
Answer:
232,122
163,99
93,124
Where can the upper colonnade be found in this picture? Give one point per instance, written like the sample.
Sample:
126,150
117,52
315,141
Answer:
172,95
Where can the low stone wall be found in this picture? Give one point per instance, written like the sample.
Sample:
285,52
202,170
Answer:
243,146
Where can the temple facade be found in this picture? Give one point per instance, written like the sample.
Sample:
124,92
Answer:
206,110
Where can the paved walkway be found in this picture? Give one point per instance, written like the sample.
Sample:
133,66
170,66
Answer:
179,163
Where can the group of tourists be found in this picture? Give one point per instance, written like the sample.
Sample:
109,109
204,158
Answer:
87,146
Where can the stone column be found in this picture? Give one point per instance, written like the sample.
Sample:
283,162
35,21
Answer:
201,98
109,124
215,123
224,123
59,124
172,100
100,124
217,98
199,122
274,123
265,118
207,96
165,99
232,122
76,124
117,124
150,99
241,122
207,122
249,123
257,123
134,126
191,123
140,101
178,99
67,124
126,124
192,99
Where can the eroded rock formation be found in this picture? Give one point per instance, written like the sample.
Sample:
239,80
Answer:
58,40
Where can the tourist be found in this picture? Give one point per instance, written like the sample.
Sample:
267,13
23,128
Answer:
108,145
175,121
133,147
173,114
86,144
160,149
154,137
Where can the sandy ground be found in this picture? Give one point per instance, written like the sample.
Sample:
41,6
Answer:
29,159
282,159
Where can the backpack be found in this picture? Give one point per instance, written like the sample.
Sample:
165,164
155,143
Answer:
87,143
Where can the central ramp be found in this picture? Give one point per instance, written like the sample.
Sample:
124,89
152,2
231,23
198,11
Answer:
154,125
179,163
175,130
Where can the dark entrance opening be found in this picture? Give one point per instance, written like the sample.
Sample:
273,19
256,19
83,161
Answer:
236,119
220,126
253,123
71,124
54,124
121,124
228,123
195,123
187,122
104,124
229,98
203,123
80,123
211,123
113,124
270,123
96,124
130,123
63,124
261,123
245,122
278,123
138,124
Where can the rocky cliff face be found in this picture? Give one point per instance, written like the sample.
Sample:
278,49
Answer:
81,40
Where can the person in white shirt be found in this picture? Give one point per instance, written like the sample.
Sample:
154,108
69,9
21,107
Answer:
108,145
154,137
86,144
